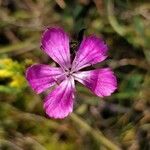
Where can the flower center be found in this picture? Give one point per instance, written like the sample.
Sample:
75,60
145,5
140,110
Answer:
69,73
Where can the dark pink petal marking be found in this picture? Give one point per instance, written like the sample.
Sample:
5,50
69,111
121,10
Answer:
41,77
102,82
91,51
59,103
55,42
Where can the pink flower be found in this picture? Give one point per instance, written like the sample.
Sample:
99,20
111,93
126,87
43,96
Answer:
55,42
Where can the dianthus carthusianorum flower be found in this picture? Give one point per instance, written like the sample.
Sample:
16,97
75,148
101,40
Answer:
92,50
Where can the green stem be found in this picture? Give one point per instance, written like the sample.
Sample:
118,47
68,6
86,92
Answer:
18,46
95,133
17,114
112,19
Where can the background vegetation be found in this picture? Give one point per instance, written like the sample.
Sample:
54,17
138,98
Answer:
121,121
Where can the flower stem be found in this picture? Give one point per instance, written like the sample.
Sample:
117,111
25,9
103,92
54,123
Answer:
95,133
112,19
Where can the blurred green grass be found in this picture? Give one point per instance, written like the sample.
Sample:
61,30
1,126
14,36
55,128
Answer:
122,119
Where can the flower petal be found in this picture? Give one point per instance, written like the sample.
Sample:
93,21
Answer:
55,42
41,77
59,103
102,82
91,51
